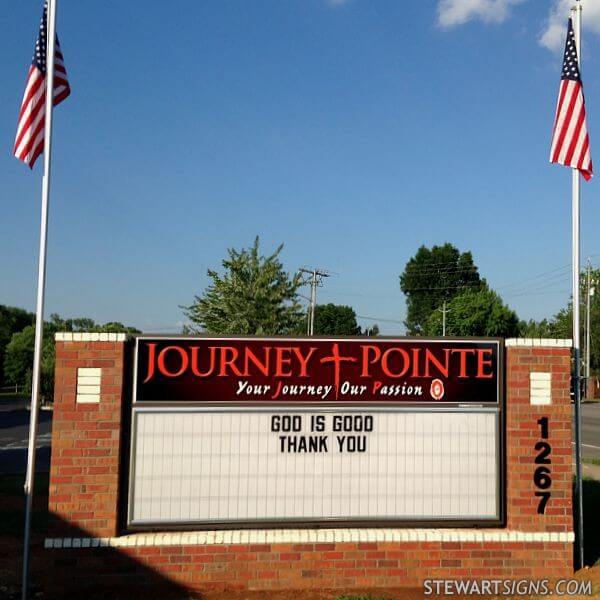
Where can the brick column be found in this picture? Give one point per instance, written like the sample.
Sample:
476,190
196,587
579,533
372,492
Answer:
538,386
86,432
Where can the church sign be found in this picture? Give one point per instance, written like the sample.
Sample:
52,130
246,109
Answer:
293,432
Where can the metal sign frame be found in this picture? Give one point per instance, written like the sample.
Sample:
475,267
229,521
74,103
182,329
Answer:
137,407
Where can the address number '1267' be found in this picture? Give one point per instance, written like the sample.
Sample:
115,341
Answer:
542,476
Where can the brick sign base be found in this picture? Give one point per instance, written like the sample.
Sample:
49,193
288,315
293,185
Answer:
87,546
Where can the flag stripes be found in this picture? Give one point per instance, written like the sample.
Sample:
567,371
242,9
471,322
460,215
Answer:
570,139
29,141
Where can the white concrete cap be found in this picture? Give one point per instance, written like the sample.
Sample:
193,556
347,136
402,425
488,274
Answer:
298,536
69,336
538,342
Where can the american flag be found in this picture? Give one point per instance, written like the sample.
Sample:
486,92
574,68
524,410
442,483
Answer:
570,140
29,143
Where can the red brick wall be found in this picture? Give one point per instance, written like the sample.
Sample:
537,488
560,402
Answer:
86,439
84,494
523,432
318,566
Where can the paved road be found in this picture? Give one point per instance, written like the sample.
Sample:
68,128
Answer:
590,430
14,432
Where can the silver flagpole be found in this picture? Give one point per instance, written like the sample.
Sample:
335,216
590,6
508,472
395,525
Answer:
39,315
576,11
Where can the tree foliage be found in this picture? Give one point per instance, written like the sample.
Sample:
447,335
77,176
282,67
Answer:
254,295
89,325
433,276
475,312
12,320
18,359
537,329
335,319
561,324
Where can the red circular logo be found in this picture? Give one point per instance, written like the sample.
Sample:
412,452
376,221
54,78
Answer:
437,389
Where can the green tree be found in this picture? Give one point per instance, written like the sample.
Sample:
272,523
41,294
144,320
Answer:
335,319
561,325
475,312
89,325
116,327
18,359
254,295
537,329
12,320
433,276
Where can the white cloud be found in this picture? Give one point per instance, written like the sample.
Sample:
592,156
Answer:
457,12
451,13
553,36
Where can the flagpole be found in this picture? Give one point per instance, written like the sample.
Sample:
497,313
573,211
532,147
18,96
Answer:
576,332
39,314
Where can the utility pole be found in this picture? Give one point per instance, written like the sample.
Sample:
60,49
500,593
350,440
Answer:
316,279
444,311
589,294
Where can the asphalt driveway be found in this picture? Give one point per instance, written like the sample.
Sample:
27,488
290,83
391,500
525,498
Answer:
14,433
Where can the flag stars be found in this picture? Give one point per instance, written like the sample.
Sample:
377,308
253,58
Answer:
570,69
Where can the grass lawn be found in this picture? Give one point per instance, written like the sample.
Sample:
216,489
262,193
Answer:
12,503
12,508
10,396
591,461
591,520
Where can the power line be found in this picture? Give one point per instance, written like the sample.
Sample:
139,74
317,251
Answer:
427,269
441,262
338,292
539,276
534,285
450,270
477,284
380,319
520,287
447,268
538,293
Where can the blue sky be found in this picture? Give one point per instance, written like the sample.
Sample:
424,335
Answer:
351,131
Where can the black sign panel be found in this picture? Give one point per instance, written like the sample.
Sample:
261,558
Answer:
259,370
